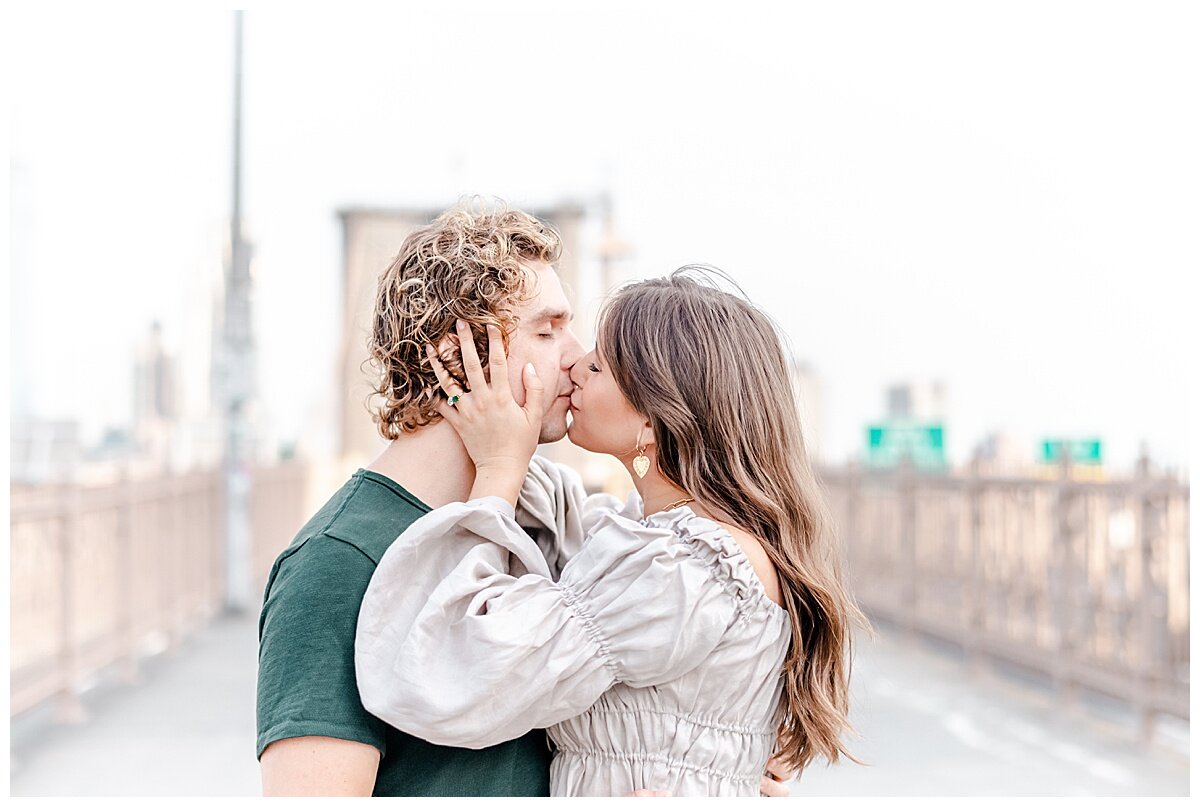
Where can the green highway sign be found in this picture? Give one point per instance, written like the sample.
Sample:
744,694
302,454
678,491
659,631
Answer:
923,444
1080,452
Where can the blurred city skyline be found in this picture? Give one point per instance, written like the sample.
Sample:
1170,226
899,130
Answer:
1001,211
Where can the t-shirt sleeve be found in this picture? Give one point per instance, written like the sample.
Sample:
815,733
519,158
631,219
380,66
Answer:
306,679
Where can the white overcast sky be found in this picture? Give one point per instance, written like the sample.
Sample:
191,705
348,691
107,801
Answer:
999,195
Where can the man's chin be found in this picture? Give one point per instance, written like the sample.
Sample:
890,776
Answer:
554,425
552,435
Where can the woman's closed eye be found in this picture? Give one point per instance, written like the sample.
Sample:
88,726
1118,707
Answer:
592,366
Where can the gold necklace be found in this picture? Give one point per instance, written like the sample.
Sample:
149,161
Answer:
679,503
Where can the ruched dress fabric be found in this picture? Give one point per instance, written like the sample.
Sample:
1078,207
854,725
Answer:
653,658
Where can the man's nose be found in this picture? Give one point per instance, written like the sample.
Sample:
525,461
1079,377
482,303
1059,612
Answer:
572,351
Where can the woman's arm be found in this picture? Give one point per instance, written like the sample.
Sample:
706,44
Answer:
555,508
453,649
500,438
499,435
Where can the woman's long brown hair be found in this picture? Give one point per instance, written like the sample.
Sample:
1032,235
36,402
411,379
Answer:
708,370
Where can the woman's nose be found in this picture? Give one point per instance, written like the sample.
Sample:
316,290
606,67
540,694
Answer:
576,373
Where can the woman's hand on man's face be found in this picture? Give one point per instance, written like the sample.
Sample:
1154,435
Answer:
499,434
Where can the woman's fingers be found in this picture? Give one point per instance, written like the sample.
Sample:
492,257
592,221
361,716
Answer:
534,392
773,788
779,770
446,410
775,782
470,356
473,368
445,380
497,360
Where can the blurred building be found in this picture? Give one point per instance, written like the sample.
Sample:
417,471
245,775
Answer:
371,240
155,398
43,451
159,436
115,446
1003,453
918,401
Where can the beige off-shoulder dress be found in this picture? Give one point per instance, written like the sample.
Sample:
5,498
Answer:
646,645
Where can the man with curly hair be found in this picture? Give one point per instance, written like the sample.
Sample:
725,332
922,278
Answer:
483,267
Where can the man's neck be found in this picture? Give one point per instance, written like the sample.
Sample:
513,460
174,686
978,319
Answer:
430,463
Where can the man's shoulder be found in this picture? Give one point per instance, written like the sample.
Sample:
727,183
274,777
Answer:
364,517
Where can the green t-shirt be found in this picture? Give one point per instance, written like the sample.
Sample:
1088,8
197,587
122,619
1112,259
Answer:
306,681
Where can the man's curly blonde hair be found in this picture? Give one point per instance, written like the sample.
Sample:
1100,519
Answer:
465,265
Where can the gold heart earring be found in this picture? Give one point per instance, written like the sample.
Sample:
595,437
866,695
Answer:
641,463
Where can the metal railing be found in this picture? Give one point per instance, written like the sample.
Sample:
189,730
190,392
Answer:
1084,582
102,576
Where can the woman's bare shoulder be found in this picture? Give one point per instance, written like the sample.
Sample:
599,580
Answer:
759,561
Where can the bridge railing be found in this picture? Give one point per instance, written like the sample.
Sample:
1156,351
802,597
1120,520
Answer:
103,575
1084,582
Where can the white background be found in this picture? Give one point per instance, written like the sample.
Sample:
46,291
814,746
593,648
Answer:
1002,196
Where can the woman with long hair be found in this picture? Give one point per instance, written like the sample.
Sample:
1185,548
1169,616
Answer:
695,632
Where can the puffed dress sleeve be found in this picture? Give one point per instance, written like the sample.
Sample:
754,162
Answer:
454,649
555,508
